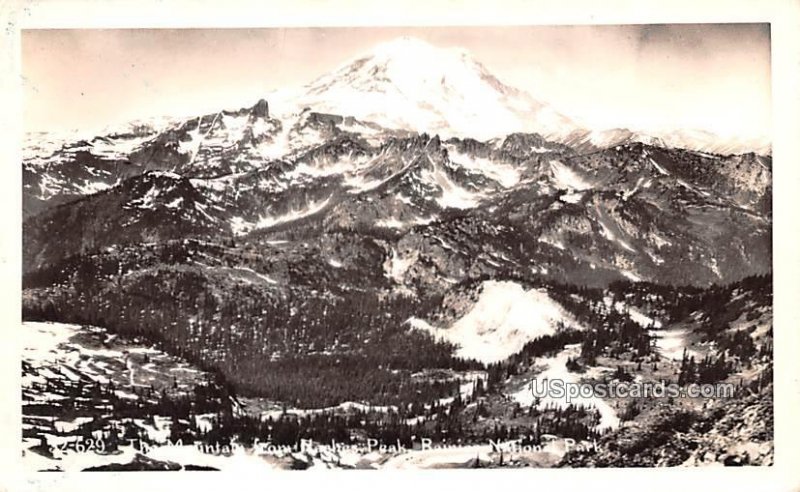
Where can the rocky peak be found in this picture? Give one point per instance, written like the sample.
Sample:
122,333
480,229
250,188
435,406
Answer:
261,109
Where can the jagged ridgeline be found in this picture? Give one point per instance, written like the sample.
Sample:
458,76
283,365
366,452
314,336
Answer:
308,256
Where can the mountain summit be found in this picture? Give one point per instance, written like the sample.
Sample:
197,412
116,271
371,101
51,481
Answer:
410,84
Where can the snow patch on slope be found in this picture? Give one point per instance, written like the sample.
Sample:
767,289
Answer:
397,265
566,178
270,221
660,169
453,195
555,369
394,223
502,321
504,174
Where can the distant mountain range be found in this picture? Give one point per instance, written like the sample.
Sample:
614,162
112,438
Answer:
634,210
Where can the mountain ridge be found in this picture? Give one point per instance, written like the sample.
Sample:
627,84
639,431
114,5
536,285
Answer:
410,84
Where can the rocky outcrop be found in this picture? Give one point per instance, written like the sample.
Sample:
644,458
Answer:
732,433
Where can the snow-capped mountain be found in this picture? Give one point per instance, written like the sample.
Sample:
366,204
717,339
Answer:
705,141
410,84
697,140
406,84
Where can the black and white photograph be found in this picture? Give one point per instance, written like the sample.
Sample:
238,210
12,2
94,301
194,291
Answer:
383,248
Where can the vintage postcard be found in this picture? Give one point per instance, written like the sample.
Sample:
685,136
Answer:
381,248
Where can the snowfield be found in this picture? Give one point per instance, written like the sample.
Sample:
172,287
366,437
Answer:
347,406
410,84
265,222
396,266
453,195
461,455
240,460
502,321
506,175
672,342
555,368
58,355
567,179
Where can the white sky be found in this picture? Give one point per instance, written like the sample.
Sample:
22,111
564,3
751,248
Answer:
714,77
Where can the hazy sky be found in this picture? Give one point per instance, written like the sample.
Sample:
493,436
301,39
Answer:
713,76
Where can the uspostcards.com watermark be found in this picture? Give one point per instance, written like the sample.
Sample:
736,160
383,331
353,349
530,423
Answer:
559,389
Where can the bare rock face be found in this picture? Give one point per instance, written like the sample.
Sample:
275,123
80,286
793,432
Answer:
261,109
735,432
